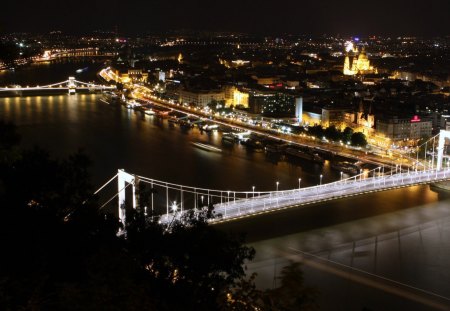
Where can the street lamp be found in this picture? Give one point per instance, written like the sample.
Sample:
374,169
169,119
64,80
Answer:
277,185
253,188
299,182
342,175
174,206
320,179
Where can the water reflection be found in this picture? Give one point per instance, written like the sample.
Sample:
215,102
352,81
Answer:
401,236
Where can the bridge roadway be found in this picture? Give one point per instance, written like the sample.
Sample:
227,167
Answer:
275,201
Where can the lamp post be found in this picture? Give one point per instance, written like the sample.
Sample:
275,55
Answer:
360,178
227,203
174,210
300,180
342,175
253,189
277,185
320,183
174,207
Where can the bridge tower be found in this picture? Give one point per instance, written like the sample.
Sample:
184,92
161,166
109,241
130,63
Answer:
442,136
72,85
122,179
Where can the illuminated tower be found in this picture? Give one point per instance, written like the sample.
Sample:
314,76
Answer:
347,70
299,109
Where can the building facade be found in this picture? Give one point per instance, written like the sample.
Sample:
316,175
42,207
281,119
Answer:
338,117
404,129
274,103
201,98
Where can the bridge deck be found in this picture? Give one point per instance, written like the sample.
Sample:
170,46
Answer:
232,210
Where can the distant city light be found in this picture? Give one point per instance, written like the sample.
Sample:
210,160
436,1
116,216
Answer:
348,46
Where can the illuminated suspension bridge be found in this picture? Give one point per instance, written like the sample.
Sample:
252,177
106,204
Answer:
170,201
70,85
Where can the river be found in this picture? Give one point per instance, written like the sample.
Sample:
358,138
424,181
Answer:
354,250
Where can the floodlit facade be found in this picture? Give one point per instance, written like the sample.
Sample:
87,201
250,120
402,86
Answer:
356,62
404,129
201,98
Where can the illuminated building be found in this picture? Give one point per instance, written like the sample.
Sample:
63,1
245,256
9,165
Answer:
125,75
235,97
273,103
356,62
240,99
201,98
234,63
266,80
365,120
336,116
404,129
299,109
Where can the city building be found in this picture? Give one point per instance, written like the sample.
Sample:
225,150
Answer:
408,130
356,62
273,103
236,97
365,120
201,98
337,116
126,75
266,80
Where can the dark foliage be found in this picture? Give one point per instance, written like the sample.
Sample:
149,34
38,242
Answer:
60,253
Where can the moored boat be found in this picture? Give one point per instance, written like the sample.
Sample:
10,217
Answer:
304,155
345,167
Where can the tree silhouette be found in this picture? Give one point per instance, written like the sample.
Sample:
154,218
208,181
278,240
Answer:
60,253
358,139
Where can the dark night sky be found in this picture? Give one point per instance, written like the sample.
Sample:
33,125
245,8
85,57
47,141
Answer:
347,17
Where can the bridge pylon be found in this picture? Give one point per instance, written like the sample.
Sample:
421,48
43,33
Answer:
440,150
71,85
122,179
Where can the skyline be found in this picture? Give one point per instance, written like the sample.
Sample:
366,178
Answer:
398,17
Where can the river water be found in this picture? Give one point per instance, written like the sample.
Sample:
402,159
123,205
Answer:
382,251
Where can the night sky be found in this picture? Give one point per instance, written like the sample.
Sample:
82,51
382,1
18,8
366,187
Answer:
346,17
